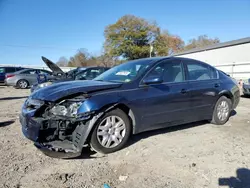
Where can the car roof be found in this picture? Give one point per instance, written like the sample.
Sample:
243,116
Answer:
91,67
10,67
26,69
155,59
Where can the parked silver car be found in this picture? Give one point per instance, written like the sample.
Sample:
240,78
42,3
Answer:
24,78
246,87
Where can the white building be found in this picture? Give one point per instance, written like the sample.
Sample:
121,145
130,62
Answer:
232,57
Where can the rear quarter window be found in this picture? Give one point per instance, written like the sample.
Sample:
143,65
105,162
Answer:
214,73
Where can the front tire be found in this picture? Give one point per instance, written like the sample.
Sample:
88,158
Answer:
111,132
222,111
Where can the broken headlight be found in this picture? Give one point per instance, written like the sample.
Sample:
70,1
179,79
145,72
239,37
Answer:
66,109
33,103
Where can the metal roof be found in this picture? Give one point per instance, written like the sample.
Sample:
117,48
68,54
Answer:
216,46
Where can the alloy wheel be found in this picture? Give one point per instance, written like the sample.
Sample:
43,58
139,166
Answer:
111,131
23,84
223,110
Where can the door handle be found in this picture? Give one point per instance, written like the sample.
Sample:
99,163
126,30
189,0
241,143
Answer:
183,91
216,85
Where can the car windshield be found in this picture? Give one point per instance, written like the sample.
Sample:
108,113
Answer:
126,72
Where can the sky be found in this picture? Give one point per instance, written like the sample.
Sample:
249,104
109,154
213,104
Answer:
30,29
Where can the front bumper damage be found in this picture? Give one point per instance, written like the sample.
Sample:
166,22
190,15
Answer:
55,137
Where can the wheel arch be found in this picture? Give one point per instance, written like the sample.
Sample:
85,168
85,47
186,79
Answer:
91,125
104,103
126,109
227,94
98,105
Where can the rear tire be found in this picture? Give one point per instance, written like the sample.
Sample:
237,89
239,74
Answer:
222,111
111,132
22,84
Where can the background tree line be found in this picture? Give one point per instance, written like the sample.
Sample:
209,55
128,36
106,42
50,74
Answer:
130,38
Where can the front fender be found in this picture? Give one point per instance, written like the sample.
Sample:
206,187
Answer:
97,102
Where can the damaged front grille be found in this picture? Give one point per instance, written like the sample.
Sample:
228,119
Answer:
58,122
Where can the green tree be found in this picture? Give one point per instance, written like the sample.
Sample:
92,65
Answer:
201,41
130,37
166,44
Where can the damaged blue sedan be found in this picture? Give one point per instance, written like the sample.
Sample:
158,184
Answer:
136,96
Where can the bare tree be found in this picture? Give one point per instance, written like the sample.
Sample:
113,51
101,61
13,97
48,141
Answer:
201,41
62,62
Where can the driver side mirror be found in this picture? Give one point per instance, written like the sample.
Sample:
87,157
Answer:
152,80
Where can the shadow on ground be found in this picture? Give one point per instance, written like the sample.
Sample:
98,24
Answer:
144,135
6,123
12,98
87,153
242,179
138,137
245,96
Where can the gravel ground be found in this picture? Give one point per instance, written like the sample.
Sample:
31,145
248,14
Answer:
193,155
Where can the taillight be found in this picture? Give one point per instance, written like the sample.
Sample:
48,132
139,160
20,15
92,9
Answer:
9,75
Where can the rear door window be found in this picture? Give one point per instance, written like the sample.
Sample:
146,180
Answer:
44,72
199,71
81,76
29,72
92,73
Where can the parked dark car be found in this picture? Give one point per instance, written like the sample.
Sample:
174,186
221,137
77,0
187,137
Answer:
136,96
75,71
246,87
86,73
5,70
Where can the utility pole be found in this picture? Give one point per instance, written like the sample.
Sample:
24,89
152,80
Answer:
150,49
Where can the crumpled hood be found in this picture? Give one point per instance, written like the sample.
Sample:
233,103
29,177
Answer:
57,91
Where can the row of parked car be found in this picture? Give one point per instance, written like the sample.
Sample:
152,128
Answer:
23,78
